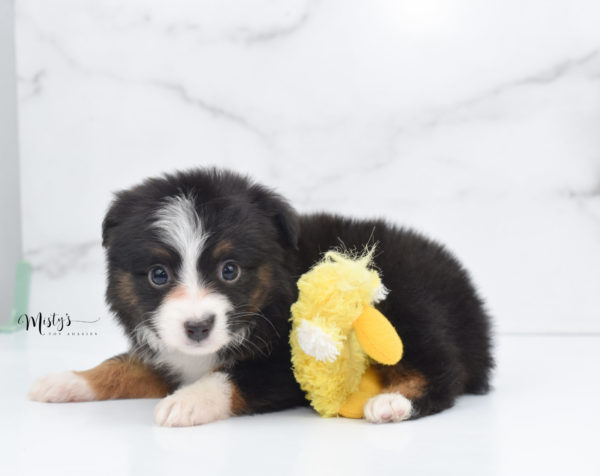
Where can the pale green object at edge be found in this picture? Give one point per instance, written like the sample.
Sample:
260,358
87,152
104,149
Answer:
21,297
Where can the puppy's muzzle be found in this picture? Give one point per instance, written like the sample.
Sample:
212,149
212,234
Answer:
199,330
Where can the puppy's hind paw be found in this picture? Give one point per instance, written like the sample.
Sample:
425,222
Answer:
61,387
388,407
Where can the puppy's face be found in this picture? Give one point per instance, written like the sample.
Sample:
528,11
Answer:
196,260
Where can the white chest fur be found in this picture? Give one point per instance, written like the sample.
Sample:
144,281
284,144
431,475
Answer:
189,368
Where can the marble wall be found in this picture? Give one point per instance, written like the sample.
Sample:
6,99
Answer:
476,122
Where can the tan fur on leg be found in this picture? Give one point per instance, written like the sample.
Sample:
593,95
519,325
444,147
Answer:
123,376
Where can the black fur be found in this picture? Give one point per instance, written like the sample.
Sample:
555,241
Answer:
432,302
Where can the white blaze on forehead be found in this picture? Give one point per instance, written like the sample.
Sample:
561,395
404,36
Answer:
180,227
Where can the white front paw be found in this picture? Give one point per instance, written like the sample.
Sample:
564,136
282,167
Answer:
205,401
61,387
388,407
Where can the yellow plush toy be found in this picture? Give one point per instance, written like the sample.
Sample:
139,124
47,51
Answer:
336,329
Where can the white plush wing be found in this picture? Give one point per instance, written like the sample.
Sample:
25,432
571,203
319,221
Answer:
380,293
314,341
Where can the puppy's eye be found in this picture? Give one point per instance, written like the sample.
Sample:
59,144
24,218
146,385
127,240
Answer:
158,276
230,271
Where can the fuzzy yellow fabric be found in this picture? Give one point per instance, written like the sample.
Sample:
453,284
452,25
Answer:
369,387
332,296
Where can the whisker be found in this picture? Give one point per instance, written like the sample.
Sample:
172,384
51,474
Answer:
257,314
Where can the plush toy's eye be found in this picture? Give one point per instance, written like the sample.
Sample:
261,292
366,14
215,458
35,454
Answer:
158,276
230,271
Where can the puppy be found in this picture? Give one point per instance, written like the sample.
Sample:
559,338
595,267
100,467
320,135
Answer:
202,270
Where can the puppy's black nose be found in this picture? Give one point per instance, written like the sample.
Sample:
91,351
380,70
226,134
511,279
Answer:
199,330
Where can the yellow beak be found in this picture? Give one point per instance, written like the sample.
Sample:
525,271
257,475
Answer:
377,337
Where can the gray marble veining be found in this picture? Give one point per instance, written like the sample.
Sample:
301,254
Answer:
475,122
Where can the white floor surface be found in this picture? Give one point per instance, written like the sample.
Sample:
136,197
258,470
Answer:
540,419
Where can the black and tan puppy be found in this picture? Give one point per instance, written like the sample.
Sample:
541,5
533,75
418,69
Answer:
202,270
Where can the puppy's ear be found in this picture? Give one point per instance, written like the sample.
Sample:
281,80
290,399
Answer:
114,216
110,221
283,215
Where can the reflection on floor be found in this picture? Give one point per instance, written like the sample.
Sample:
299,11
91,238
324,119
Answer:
541,418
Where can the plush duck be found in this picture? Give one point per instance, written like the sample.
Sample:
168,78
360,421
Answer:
336,331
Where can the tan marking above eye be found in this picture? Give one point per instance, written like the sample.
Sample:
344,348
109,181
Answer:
160,253
222,247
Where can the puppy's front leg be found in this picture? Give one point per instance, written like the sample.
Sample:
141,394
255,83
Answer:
211,398
122,376
247,388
